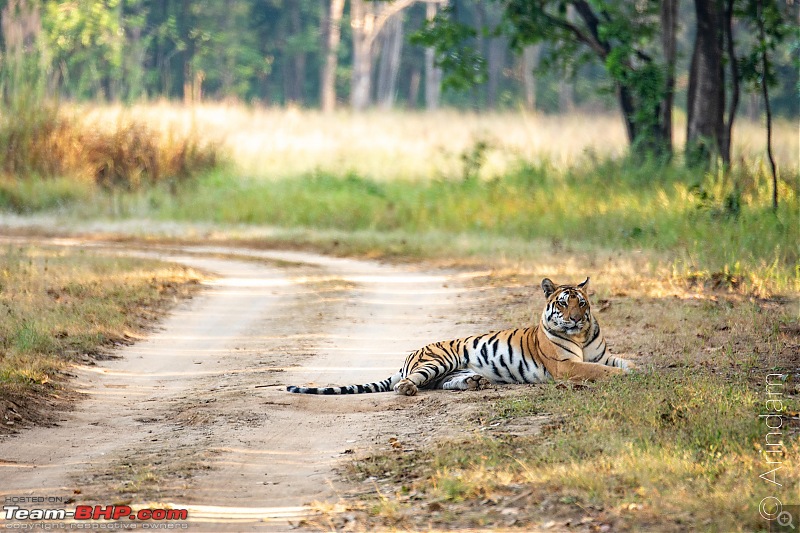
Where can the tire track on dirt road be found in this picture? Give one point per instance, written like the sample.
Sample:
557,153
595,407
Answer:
196,416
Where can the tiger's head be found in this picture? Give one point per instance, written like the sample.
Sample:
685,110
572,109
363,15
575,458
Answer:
567,310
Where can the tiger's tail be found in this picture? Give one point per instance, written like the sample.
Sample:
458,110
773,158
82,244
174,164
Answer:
387,385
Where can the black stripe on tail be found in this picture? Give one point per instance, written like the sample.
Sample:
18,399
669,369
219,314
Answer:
386,385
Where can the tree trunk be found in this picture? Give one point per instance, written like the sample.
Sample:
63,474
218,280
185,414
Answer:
765,71
328,82
390,62
433,74
566,100
566,95
229,68
367,20
530,56
413,88
628,112
753,108
298,70
361,20
161,57
134,66
727,139
481,18
706,96
185,27
669,25
496,63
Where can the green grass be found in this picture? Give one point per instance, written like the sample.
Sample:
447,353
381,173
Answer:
705,225
37,194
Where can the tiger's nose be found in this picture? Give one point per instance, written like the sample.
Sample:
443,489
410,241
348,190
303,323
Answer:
575,316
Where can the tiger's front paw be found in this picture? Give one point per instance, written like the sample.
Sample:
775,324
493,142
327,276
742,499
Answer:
628,366
477,383
406,387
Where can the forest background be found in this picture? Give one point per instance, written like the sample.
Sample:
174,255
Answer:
276,52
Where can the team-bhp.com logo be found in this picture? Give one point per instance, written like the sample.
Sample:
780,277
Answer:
83,514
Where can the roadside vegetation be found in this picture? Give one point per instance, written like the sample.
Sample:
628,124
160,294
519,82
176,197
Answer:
710,225
694,276
704,223
62,307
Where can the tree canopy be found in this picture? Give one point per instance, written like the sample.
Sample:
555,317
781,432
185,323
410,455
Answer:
638,45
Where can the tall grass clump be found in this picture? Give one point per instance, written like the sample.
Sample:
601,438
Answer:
39,141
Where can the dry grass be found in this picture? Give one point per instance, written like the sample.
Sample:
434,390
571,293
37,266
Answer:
678,446
126,154
60,307
287,143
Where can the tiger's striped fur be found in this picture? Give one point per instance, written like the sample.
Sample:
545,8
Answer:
566,344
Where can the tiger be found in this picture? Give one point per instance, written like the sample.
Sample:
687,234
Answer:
566,344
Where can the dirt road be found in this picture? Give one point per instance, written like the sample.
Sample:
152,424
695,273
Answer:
196,415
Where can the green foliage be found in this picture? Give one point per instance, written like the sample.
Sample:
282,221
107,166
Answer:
272,51
619,36
87,41
453,43
778,27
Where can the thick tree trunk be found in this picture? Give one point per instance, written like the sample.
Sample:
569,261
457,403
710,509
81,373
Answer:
333,35
161,57
705,129
566,94
135,61
628,112
185,74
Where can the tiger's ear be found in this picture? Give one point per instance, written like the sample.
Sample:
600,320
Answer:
548,287
585,285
